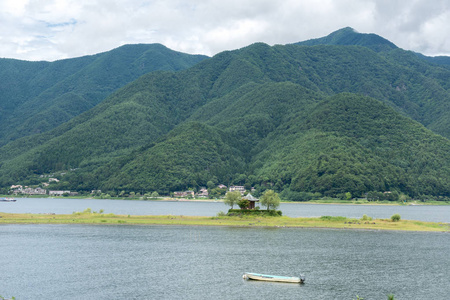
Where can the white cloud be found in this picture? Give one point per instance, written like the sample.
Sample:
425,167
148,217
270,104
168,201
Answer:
55,29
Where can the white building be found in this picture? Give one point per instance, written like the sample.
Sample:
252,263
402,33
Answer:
58,193
239,188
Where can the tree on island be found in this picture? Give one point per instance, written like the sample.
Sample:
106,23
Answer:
232,198
243,203
270,199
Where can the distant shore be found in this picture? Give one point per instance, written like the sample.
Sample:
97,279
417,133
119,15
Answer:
320,201
94,218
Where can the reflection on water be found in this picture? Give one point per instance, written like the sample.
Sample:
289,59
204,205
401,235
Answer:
125,207
174,262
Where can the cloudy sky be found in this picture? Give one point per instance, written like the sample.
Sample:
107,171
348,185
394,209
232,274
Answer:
56,29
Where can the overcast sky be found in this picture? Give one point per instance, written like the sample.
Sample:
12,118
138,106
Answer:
56,29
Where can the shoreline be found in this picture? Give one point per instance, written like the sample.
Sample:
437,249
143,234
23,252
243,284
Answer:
315,202
235,221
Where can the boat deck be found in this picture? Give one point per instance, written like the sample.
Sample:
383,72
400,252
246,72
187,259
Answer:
274,278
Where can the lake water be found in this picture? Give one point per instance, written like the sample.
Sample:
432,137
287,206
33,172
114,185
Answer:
192,208
175,262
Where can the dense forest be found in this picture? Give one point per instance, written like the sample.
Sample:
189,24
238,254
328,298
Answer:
347,114
38,96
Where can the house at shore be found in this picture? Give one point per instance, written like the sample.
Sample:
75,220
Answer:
30,191
203,192
222,186
239,188
252,201
58,193
184,194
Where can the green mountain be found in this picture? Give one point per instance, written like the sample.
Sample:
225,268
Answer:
191,154
326,119
438,60
358,144
349,36
39,96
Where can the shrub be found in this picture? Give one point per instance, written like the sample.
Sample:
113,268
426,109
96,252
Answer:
253,212
275,213
221,214
366,218
395,218
243,203
332,218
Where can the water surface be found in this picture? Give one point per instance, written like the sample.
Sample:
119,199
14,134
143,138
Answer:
197,208
175,262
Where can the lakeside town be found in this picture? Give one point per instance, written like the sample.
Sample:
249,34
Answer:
218,191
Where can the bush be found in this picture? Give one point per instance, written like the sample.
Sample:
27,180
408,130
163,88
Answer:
243,203
395,218
332,218
366,218
253,212
221,214
275,213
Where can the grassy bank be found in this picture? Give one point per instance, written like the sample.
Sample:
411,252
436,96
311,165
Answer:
243,221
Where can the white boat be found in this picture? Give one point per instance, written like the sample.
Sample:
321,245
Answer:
275,278
7,200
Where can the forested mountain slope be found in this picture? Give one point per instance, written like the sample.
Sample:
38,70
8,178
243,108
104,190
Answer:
426,96
357,144
325,119
349,36
38,96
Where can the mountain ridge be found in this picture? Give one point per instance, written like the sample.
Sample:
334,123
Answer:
349,36
60,90
325,119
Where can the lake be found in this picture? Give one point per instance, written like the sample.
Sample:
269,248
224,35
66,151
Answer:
200,208
175,262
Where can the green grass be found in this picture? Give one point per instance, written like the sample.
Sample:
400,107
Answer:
242,221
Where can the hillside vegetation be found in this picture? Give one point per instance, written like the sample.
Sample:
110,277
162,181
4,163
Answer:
322,120
39,96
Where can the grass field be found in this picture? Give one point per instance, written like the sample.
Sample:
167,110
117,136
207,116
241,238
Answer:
88,217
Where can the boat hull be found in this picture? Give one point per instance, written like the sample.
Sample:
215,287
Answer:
7,200
273,278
